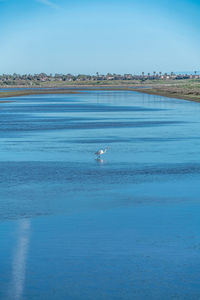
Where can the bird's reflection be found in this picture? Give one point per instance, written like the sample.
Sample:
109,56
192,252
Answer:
19,260
100,161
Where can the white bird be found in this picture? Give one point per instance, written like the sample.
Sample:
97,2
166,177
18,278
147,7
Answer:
101,151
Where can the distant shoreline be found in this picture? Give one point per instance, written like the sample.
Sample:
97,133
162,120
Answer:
169,94
159,90
29,92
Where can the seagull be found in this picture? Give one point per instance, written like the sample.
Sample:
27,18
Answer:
101,151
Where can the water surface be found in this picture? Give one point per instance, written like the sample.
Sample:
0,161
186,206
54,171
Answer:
122,227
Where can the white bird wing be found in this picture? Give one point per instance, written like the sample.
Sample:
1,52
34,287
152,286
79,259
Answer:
99,152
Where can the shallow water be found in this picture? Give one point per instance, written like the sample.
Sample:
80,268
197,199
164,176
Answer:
122,227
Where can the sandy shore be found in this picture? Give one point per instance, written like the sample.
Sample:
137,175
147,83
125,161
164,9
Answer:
6,94
170,94
5,101
178,92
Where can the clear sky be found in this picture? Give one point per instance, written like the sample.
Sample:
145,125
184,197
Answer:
89,36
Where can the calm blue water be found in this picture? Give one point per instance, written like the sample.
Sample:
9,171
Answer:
122,227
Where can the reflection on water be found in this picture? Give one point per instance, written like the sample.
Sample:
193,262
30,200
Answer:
19,260
100,161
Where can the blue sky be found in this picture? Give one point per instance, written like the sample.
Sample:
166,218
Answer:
89,36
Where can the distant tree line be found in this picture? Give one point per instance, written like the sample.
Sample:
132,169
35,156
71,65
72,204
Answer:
14,79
